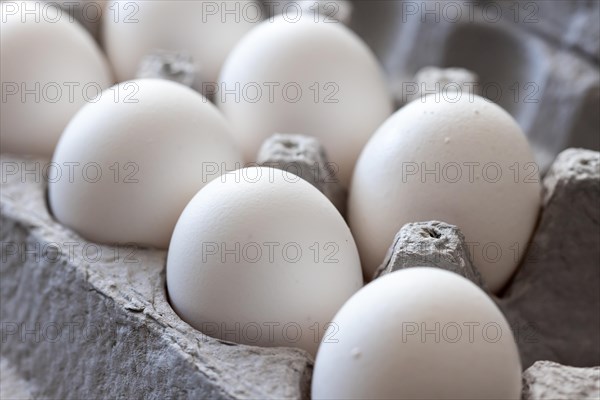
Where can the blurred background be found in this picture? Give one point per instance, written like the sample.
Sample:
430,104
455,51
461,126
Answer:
537,59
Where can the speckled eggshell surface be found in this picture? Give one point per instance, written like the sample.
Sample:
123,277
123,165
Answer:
261,257
50,67
126,166
307,77
418,333
465,162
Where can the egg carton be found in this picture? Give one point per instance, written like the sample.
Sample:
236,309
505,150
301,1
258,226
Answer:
100,326
552,302
79,327
82,320
536,59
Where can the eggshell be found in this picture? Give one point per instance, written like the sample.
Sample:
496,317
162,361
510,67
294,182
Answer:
418,333
126,166
50,67
204,30
317,79
261,257
486,183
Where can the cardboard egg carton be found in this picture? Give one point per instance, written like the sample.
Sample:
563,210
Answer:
82,320
552,301
536,59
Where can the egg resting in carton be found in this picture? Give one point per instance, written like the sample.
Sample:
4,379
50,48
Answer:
119,336
553,299
578,98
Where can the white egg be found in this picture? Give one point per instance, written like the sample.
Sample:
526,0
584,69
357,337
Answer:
204,30
128,163
261,257
466,163
317,79
50,67
418,333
